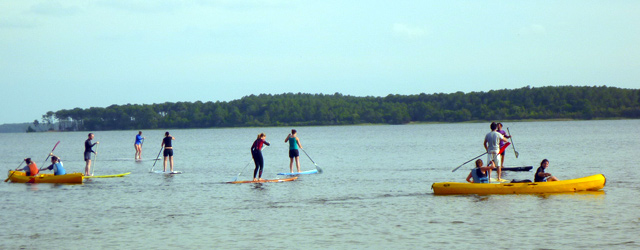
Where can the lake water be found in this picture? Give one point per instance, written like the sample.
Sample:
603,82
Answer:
375,192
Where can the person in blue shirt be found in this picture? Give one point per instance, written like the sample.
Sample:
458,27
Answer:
138,145
56,166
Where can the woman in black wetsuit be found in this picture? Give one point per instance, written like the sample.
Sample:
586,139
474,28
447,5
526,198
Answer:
256,153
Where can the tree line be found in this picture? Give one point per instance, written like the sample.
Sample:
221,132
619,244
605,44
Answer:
291,109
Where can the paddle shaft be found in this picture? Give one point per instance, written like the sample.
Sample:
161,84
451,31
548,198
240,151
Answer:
154,163
468,161
245,167
514,145
95,160
314,163
14,171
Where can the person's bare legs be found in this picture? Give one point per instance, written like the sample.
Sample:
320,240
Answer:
298,163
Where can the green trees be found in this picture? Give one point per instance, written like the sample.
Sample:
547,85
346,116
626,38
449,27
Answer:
564,102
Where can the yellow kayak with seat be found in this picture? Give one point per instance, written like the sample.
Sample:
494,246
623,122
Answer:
589,183
20,177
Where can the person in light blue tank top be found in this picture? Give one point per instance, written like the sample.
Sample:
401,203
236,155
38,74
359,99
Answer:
294,143
56,166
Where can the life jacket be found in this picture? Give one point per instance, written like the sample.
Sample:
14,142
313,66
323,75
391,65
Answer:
477,176
33,169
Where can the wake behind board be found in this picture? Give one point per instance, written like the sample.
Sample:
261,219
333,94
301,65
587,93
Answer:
106,176
163,172
313,171
263,181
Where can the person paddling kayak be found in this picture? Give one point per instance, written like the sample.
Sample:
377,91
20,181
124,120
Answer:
30,169
256,153
56,166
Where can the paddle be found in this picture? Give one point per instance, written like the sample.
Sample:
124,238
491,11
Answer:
235,179
314,163
501,150
95,160
154,163
514,145
14,171
49,155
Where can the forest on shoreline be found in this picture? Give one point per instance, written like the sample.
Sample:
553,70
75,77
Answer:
299,109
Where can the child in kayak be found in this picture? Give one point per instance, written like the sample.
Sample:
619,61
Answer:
31,169
56,166
479,174
256,153
541,176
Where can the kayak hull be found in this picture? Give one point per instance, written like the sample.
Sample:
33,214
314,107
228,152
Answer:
589,183
19,177
313,171
263,181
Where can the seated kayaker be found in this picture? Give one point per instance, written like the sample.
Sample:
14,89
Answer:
31,169
479,173
541,176
56,166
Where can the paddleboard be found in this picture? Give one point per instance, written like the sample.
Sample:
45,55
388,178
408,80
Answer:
106,176
262,181
313,171
162,172
496,180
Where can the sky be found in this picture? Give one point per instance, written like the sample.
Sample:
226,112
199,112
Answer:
65,54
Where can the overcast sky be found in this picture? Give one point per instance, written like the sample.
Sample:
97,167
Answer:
66,54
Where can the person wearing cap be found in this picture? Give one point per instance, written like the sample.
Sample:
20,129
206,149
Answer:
294,143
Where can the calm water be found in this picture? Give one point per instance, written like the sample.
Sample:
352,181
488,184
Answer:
374,193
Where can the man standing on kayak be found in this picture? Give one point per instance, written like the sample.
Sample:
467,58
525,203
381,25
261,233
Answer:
492,145
87,154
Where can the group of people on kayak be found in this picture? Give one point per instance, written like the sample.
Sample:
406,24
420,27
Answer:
32,169
495,143
256,153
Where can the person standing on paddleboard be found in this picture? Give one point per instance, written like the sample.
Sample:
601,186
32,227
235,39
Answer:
256,153
492,145
294,143
138,146
88,149
504,134
168,150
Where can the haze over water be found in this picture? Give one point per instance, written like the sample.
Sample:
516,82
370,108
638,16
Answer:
374,193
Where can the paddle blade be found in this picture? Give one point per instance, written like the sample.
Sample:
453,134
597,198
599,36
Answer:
319,169
504,147
516,153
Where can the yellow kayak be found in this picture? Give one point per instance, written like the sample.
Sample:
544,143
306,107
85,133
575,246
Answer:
589,183
19,177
